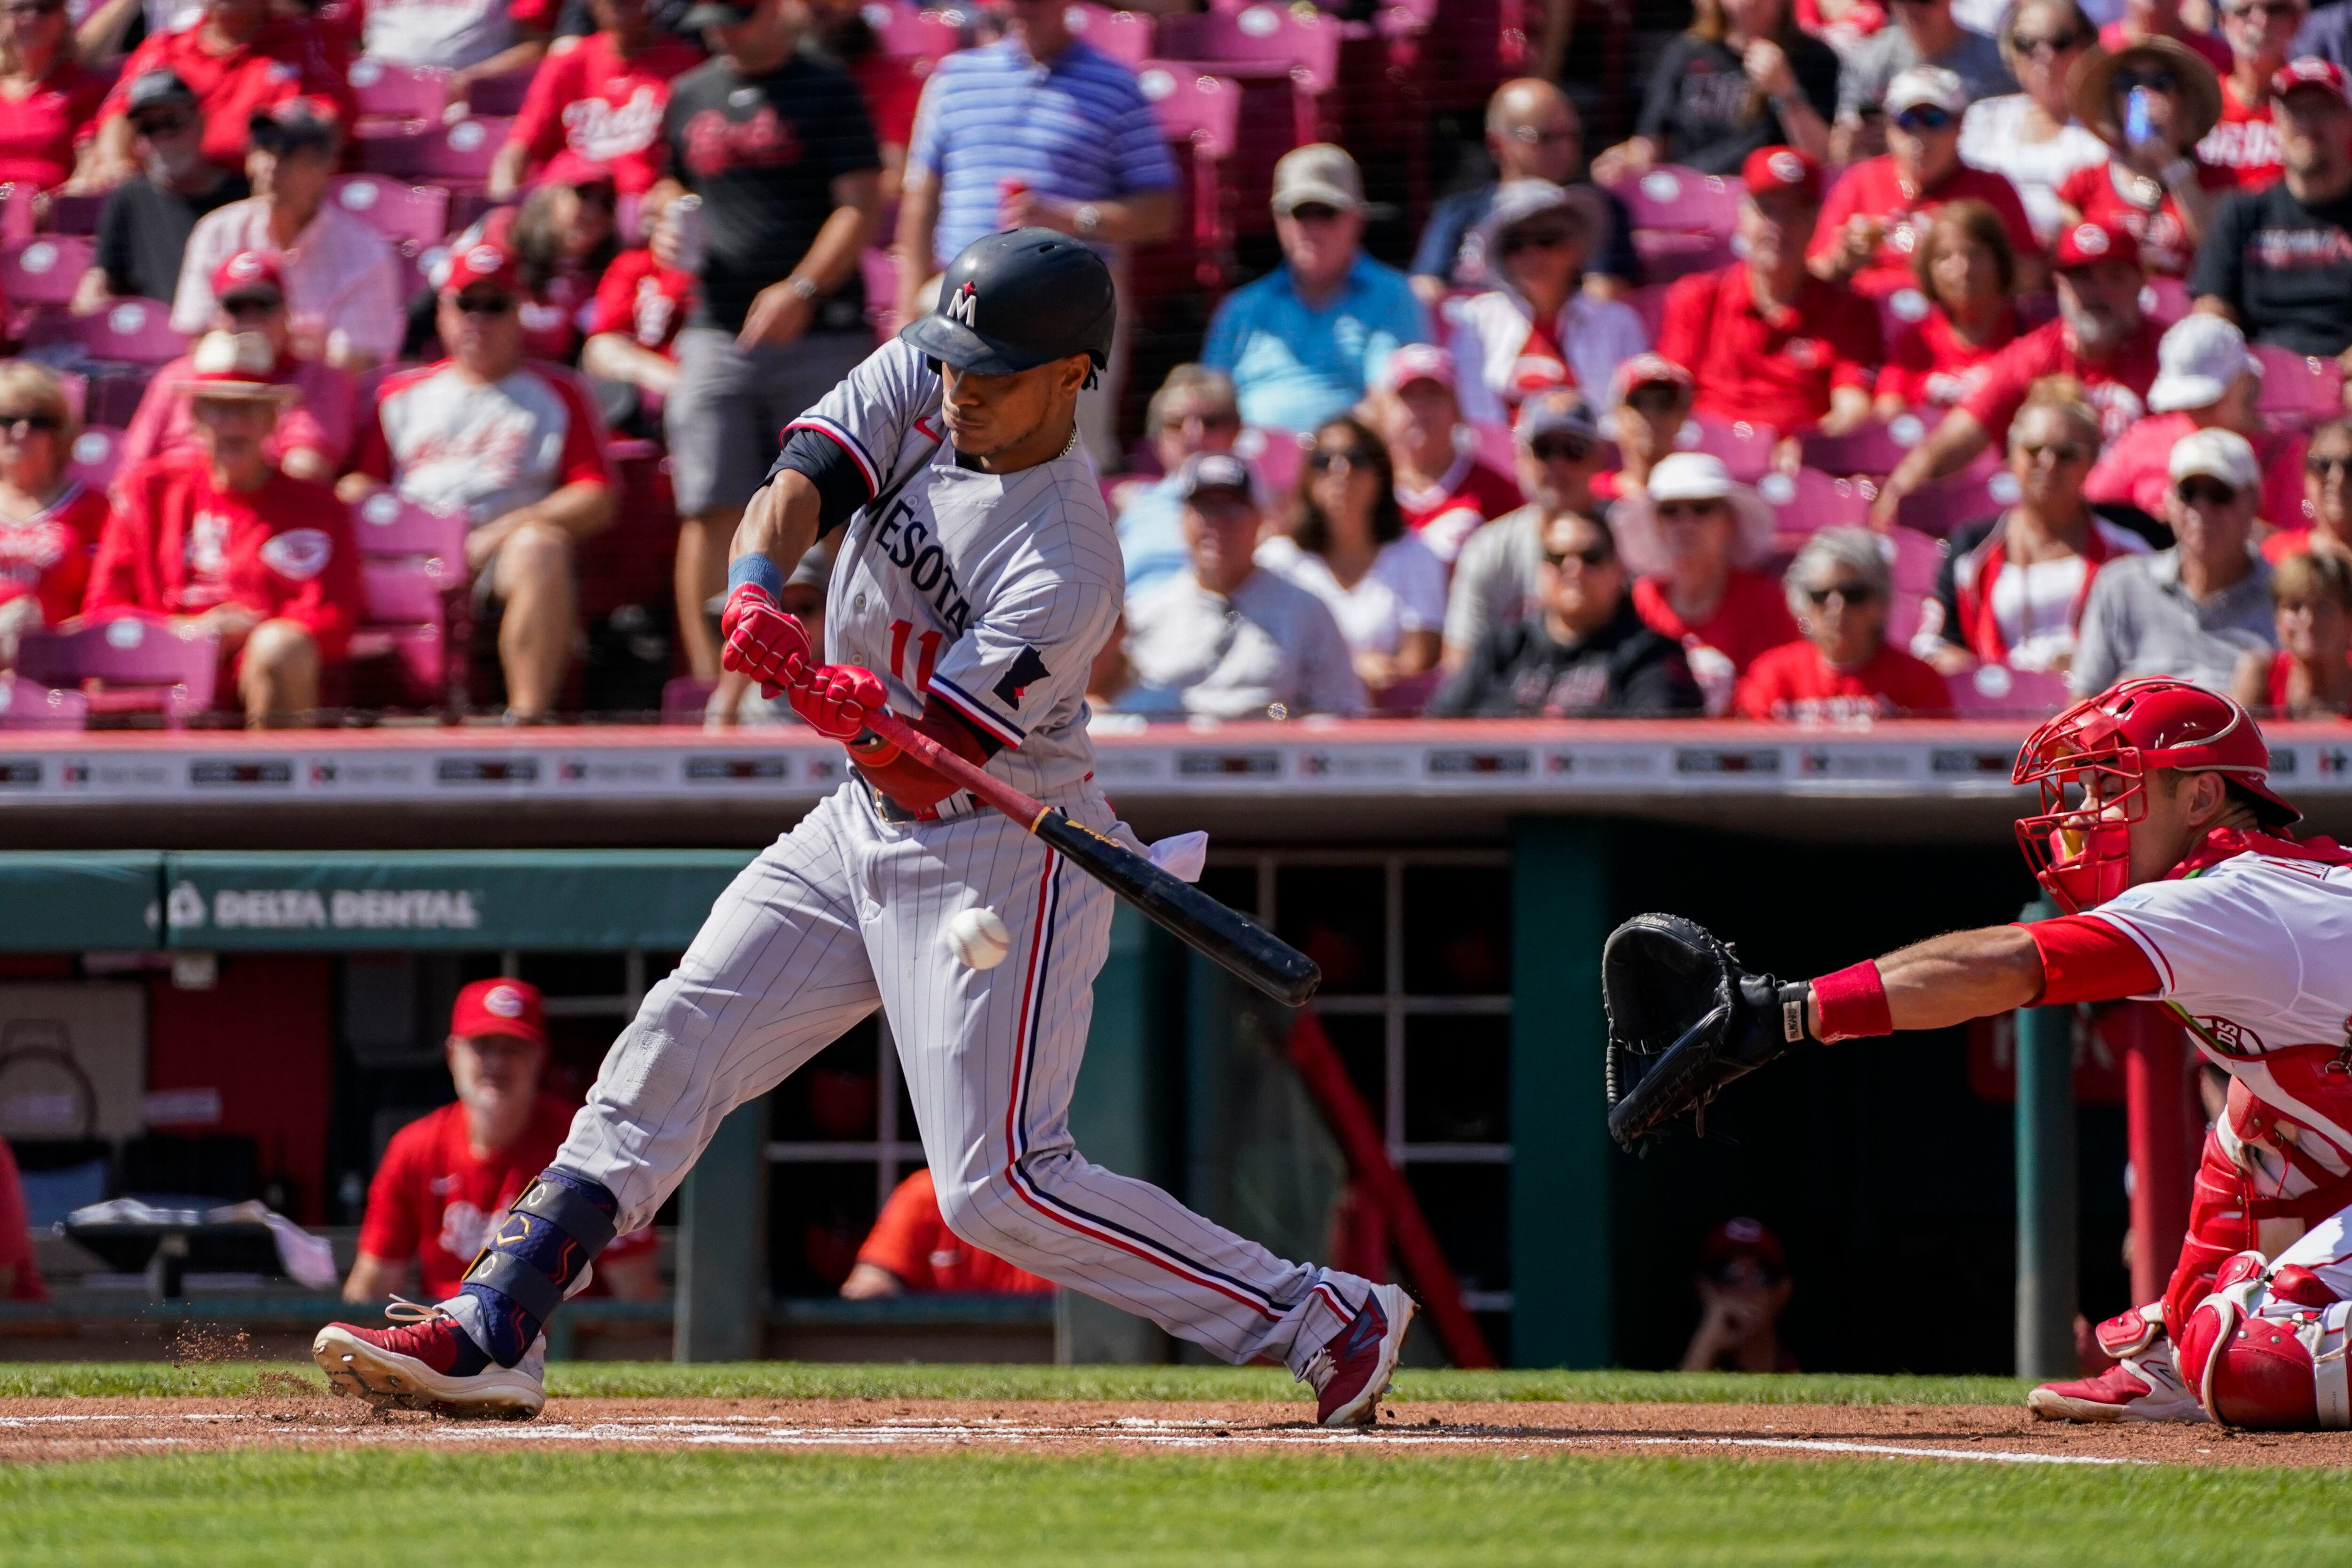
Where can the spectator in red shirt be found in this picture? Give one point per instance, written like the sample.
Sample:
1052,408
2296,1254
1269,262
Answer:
911,1252
2145,19
20,1276
595,106
889,85
446,1180
632,326
49,523
218,540
1694,537
2100,338
2156,187
1765,340
48,103
240,60
1966,272
2322,524
1442,489
1649,405
563,238
313,437
1877,213
1845,671
518,447
2261,36
2206,377
2309,675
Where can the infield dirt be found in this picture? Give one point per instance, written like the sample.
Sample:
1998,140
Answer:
298,1415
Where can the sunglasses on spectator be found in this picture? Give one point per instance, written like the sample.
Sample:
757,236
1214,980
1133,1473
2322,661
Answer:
2202,492
21,424
2065,43
2154,81
485,304
244,305
1657,397
1519,240
1559,449
1214,419
1323,460
2319,466
160,124
1690,508
1852,593
1591,557
1924,117
1314,213
2276,10
2057,452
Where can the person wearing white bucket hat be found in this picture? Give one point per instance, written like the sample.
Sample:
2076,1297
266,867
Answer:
1694,538
2205,379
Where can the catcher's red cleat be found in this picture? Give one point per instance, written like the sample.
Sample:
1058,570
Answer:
2143,1387
1352,1370
415,1367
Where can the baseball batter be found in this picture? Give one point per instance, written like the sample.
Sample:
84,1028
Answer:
2161,837
976,577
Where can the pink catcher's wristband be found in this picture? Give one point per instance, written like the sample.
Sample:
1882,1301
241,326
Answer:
1853,1003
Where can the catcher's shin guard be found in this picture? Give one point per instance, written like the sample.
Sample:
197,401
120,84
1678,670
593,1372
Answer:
2266,1349
2143,1386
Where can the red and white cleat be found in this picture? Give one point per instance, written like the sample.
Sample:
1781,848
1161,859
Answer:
1352,1370
413,1366
2142,1387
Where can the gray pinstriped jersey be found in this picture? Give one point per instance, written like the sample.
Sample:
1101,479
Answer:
991,591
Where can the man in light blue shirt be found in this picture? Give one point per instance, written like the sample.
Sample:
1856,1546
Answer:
1193,411
1304,342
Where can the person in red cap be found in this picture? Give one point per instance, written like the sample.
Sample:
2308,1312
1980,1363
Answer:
1743,1288
214,538
240,60
313,436
1765,340
518,447
1648,403
1442,489
2100,338
445,1179
2278,262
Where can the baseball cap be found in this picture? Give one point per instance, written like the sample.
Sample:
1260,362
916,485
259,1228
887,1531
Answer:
2089,244
2308,71
1320,171
152,87
1516,201
1417,362
1649,369
2216,454
501,1007
717,14
296,124
1780,169
249,272
1558,412
234,364
1741,1237
2200,357
1206,471
1931,85
485,261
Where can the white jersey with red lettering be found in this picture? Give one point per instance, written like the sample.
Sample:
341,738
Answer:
2255,954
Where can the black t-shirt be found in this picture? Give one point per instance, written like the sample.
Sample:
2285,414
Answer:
1697,104
142,233
2284,269
762,155
1623,670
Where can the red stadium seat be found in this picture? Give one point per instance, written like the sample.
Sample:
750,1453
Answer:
500,95
394,208
1649,302
28,705
1675,200
1810,500
461,152
2299,389
130,664
97,456
1875,449
2164,301
1125,36
1200,114
1264,43
130,331
911,33
389,91
1997,691
1745,449
46,270
1937,510
1914,560
1276,455
417,615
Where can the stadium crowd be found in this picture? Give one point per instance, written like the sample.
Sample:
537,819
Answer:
1904,361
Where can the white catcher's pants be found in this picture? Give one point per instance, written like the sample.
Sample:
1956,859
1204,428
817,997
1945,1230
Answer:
848,911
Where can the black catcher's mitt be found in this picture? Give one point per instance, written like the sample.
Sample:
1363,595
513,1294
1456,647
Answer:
1685,1020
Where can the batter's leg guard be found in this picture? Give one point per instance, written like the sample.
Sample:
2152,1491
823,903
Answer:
2266,1349
543,1251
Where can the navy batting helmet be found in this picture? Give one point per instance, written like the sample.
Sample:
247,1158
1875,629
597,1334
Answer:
1015,300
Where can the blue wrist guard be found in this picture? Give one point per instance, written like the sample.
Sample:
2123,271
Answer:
758,571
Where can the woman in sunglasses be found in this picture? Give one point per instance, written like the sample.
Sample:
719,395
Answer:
2151,103
1967,271
1876,216
2012,587
1845,672
47,98
50,522
2261,35
1537,327
1694,538
2310,674
2322,525
2031,135
1345,543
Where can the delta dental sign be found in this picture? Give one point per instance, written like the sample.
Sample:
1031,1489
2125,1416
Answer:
325,909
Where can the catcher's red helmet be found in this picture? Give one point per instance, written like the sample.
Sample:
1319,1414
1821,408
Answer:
2091,763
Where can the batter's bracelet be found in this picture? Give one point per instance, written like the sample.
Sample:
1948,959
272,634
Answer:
1852,1002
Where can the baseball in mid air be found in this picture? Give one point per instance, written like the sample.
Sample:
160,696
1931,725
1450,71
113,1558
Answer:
978,938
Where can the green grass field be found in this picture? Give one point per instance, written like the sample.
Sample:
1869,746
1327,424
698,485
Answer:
711,1507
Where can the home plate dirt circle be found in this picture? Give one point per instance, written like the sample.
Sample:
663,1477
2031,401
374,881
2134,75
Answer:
60,1429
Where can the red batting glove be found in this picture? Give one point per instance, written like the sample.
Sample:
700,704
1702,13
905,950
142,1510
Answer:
836,699
762,641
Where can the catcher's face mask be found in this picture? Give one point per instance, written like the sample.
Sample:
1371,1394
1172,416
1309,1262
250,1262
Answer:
2093,787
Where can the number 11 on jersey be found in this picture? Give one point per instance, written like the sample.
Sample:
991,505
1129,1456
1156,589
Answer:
926,650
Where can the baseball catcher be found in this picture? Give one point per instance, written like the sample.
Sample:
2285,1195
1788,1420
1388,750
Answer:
2161,836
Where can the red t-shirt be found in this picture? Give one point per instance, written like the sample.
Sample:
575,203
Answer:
891,90
1794,681
2117,386
590,110
434,1199
2244,143
1450,511
2282,543
2137,466
177,546
2217,53
642,300
283,60
1752,617
912,1242
15,1239
50,554
1930,365
40,132
1777,369
2164,242
1875,188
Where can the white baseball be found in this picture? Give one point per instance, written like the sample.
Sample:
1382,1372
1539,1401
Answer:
978,938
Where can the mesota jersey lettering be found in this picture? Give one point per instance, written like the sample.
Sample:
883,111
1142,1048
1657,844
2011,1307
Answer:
992,593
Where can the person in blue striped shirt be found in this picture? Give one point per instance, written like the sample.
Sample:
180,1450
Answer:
1037,128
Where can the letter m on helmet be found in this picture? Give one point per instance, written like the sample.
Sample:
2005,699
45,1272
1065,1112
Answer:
963,305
